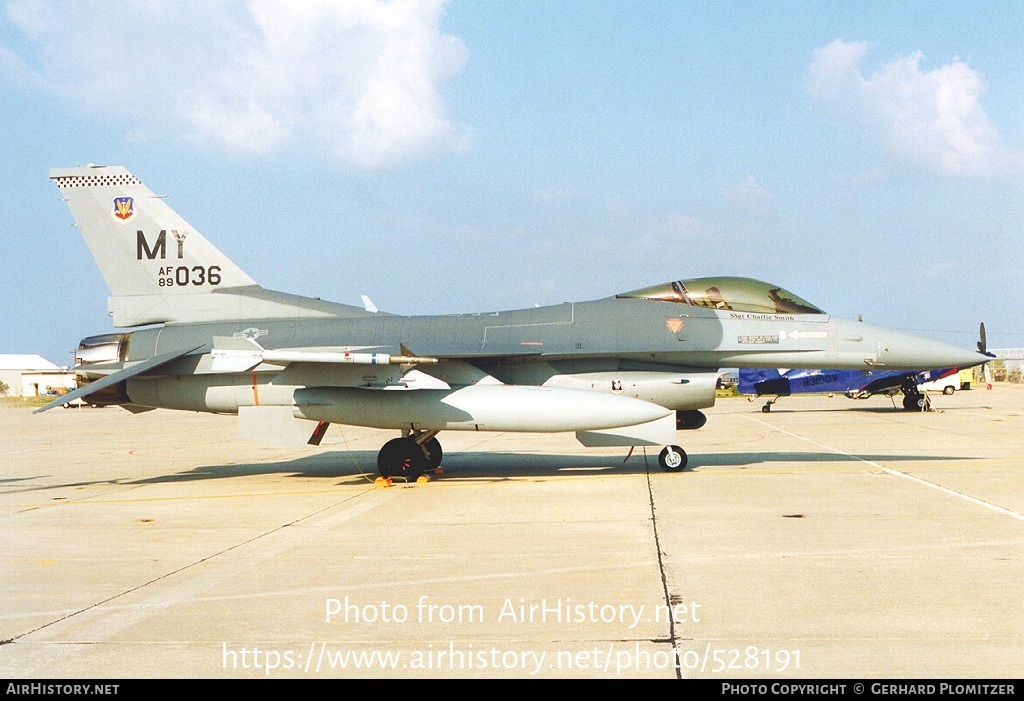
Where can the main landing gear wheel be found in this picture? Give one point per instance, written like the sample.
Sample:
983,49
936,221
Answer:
401,457
672,459
432,453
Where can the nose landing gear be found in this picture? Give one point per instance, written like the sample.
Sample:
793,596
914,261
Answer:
672,459
916,401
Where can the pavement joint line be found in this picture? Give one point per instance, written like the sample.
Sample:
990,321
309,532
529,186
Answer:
899,473
200,561
661,564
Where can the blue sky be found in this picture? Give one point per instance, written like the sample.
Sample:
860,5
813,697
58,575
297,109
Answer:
468,156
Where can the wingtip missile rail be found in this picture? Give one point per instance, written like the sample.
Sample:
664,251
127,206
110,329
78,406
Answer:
229,355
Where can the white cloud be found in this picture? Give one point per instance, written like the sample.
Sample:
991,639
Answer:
683,227
931,117
750,194
616,205
14,72
867,176
360,78
553,193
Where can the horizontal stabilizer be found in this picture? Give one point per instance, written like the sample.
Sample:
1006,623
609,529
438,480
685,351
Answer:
658,432
116,377
224,304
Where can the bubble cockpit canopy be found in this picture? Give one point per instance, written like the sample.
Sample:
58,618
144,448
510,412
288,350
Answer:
738,294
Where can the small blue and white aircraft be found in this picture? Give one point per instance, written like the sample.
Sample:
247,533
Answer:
856,384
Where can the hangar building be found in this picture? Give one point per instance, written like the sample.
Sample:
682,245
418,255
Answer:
33,375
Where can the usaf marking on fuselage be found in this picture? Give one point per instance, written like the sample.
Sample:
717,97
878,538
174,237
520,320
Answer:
626,370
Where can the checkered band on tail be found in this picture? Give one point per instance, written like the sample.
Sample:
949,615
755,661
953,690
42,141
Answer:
96,180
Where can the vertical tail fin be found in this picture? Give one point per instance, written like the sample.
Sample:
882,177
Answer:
141,245
161,270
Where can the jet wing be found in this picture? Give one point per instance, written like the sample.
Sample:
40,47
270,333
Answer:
119,376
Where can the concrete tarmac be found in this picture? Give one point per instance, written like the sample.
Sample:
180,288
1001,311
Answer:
829,538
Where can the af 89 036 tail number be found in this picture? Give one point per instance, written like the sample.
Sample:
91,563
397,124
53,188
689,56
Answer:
183,276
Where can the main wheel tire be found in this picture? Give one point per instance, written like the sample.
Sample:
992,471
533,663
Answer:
432,453
672,459
766,409
401,457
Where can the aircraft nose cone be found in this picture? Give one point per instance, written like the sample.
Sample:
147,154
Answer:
911,352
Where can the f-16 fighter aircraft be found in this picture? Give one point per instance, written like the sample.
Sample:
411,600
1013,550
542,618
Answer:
626,370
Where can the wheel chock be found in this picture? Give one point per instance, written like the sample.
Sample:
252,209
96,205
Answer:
383,482
422,479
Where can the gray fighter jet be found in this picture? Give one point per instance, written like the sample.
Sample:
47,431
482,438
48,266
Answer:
627,370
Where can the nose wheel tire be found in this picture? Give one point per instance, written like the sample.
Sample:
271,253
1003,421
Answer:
672,459
402,457
914,402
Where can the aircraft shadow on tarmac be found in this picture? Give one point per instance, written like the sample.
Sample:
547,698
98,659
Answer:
359,466
894,410
12,480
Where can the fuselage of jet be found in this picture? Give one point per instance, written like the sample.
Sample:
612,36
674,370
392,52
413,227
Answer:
624,370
